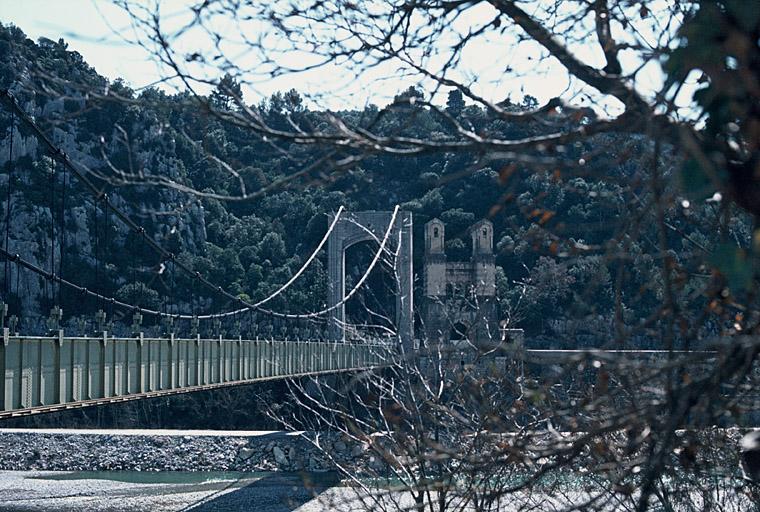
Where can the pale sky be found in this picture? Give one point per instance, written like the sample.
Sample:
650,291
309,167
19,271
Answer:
83,24
91,27
88,26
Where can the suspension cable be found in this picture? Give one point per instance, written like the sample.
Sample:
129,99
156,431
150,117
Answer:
353,291
84,291
115,302
96,283
8,204
63,233
360,283
135,297
6,274
125,218
52,229
350,294
18,278
281,289
171,301
192,297
306,264
132,225
106,228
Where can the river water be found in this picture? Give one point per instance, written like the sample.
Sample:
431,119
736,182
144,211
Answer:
169,491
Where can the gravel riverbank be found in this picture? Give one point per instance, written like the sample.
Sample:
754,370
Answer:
97,450
120,491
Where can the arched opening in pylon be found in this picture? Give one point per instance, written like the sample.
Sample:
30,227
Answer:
371,311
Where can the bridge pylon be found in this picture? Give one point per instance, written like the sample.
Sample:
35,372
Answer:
355,227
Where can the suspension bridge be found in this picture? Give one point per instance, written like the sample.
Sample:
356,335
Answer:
193,350
116,355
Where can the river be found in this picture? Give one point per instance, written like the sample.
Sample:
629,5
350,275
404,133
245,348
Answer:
169,491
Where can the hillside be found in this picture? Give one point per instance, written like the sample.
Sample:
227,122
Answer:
555,228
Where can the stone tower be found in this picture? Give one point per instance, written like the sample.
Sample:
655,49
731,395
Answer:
435,259
355,227
460,296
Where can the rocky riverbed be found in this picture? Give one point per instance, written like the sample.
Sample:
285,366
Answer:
175,491
114,450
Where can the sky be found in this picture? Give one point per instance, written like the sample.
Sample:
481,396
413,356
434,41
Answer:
88,26
95,29
91,27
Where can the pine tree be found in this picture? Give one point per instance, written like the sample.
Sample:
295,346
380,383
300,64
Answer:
455,102
227,94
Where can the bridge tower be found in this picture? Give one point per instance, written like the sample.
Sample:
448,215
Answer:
460,296
355,227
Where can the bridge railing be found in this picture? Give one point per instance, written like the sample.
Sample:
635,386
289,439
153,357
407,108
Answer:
44,373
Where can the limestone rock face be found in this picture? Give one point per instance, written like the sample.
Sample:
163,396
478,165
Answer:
40,189
22,146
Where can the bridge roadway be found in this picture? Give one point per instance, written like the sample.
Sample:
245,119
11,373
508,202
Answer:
50,373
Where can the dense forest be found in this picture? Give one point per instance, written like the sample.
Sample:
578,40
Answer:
552,227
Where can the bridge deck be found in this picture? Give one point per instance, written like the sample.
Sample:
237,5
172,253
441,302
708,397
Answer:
43,374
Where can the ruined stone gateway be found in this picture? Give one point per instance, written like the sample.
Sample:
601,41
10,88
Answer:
460,296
